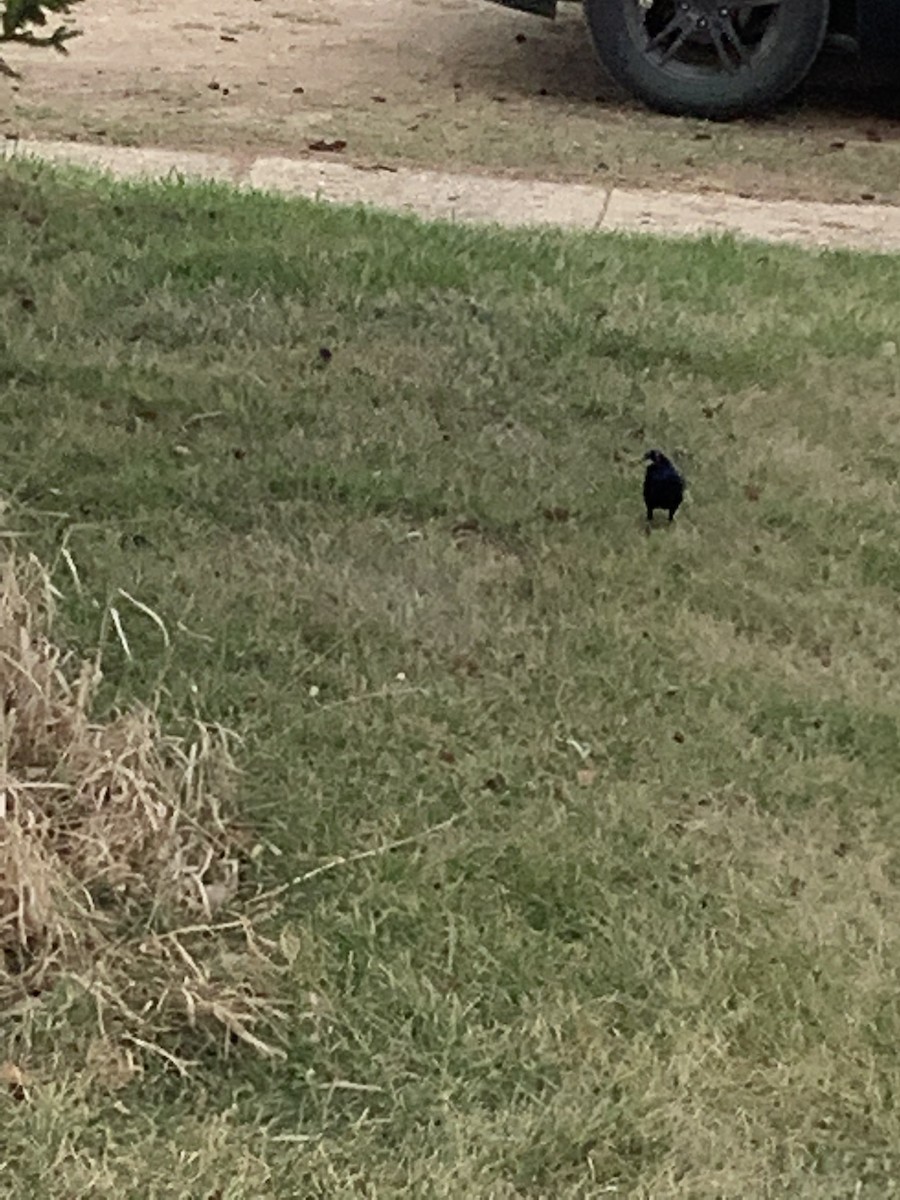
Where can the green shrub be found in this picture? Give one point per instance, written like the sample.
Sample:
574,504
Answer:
26,21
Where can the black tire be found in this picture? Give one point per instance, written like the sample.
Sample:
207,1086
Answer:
696,58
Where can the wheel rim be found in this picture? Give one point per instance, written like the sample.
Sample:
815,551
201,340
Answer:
700,38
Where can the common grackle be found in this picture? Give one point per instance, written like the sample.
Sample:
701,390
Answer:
663,485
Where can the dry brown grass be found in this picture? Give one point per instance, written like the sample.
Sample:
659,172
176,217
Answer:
117,863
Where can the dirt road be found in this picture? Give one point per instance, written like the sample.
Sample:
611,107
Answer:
456,84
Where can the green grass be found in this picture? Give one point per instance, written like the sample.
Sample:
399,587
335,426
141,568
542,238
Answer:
656,954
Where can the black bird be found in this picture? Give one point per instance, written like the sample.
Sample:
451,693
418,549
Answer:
663,485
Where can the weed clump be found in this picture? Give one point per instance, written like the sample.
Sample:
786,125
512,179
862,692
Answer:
119,870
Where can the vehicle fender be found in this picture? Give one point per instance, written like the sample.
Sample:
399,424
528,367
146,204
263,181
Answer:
540,8
878,31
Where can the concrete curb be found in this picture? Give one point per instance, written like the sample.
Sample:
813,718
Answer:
512,203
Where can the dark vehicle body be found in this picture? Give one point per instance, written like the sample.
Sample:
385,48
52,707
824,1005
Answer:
728,58
876,26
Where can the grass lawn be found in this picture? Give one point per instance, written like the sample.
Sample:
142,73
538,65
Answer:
381,483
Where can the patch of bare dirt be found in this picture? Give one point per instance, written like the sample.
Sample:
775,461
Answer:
456,84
